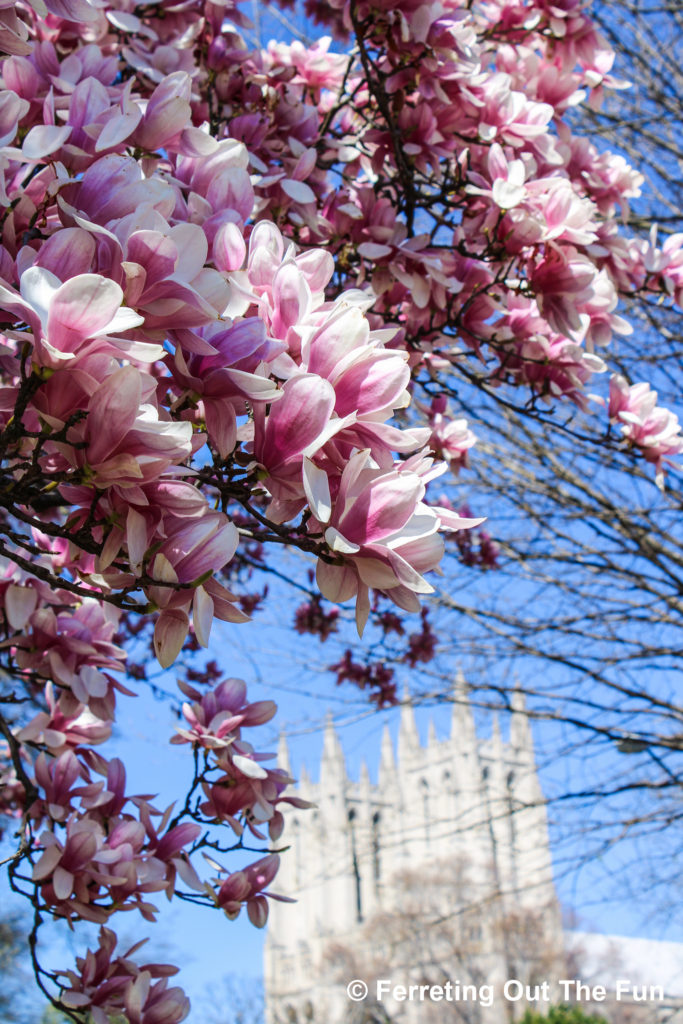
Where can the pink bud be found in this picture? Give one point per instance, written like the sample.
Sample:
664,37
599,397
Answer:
229,248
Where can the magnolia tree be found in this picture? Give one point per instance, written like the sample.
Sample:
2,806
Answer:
238,288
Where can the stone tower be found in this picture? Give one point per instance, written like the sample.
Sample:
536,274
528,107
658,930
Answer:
441,868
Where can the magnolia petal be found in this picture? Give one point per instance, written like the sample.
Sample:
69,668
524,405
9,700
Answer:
405,599
125,22
196,142
318,268
221,424
337,583
383,508
317,490
257,911
113,409
136,538
75,999
47,863
297,419
336,541
374,383
407,575
248,767
20,603
169,635
375,573
362,609
72,10
44,139
299,191
163,570
188,874
123,320
117,129
69,252
63,883
38,287
374,251
449,520
95,681
202,616
81,309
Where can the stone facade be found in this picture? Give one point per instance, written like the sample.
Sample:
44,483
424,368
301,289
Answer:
441,870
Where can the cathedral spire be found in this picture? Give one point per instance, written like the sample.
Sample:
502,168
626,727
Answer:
364,788
408,736
387,763
332,765
283,759
520,731
463,733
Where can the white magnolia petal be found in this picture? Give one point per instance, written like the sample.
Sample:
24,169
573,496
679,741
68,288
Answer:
252,769
202,616
337,542
44,139
317,490
37,287
299,191
20,603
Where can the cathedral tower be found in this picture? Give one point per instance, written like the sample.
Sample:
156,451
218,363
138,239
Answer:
451,841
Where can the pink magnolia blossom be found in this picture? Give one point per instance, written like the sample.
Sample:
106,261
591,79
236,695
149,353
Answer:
59,730
245,788
247,888
192,551
215,718
69,320
167,280
219,371
450,439
298,425
56,780
72,647
379,531
106,985
12,793
654,431
125,441
665,266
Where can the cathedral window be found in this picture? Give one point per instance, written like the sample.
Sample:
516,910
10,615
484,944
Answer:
356,868
424,789
376,866
452,797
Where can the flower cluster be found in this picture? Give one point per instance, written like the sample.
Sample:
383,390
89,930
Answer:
101,850
653,431
107,986
103,857
376,677
239,790
311,617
